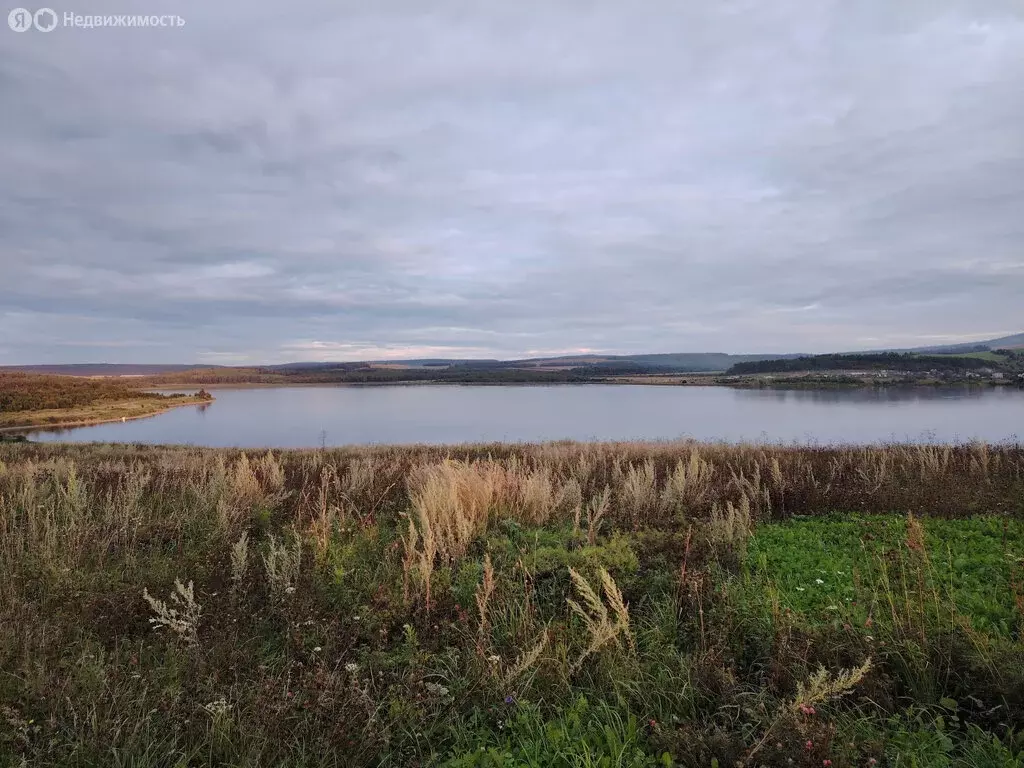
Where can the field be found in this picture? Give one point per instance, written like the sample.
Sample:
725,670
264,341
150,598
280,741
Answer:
555,605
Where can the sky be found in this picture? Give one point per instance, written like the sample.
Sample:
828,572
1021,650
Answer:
339,180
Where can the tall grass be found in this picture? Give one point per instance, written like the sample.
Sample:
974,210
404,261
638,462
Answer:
424,605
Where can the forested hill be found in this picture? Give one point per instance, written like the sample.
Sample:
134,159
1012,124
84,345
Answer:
893,361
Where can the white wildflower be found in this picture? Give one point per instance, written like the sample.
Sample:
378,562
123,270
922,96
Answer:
218,707
352,667
437,690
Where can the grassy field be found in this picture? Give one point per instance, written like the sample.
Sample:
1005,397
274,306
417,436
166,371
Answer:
552,605
988,356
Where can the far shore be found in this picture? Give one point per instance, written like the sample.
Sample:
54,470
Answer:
790,381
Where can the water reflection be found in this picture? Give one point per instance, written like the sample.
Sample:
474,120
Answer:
339,415
867,395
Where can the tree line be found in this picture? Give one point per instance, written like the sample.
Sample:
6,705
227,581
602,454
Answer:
38,392
900,361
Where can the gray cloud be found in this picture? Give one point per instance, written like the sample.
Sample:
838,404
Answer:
325,180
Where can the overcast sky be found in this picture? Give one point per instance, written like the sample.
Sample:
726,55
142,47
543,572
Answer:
312,180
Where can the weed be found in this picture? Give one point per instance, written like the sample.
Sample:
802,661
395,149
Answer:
553,605
180,614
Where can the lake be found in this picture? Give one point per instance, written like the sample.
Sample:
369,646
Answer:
293,417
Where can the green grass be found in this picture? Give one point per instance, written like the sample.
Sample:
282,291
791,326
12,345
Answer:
989,356
835,568
324,651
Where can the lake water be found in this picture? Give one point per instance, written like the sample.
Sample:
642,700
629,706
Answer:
303,416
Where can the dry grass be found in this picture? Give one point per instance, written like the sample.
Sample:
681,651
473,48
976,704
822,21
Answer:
603,625
341,602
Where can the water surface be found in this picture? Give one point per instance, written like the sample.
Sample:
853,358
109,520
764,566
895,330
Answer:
342,415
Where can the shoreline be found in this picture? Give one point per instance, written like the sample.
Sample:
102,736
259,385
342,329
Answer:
37,426
691,380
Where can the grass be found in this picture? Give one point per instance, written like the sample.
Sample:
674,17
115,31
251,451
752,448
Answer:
988,356
834,567
553,605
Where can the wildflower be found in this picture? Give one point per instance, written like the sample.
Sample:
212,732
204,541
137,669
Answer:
818,581
494,659
289,590
653,723
872,761
352,667
437,690
510,699
826,763
218,707
317,649
809,745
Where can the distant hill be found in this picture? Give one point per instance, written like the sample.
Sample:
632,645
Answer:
674,362
1003,342
703,361
107,369
416,363
1016,341
679,362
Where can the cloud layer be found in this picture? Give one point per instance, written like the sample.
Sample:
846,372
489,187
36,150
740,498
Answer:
343,180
